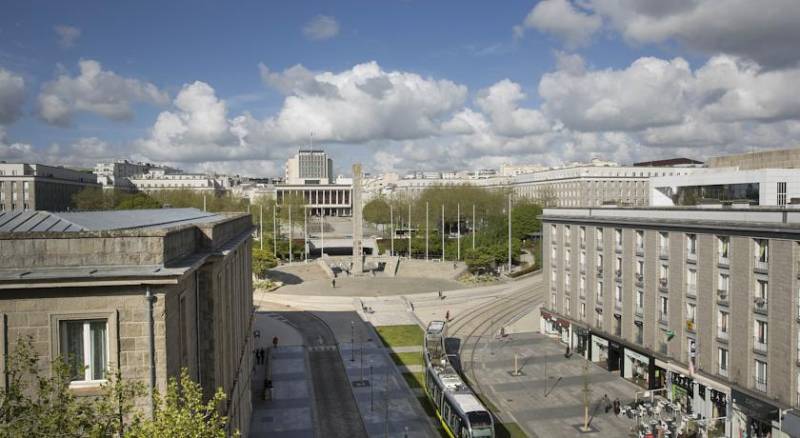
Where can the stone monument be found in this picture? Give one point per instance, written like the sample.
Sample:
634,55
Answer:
358,221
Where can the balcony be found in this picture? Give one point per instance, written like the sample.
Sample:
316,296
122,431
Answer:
618,274
663,317
618,247
599,244
663,253
690,325
723,261
640,251
662,283
760,384
639,279
639,311
691,290
618,304
760,345
722,335
760,305
599,272
760,264
583,244
691,257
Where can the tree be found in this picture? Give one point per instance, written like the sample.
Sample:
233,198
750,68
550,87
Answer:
182,413
263,260
525,219
137,201
377,211
34,404
478,260
92,199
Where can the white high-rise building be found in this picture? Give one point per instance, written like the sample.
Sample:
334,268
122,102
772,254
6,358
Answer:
309,167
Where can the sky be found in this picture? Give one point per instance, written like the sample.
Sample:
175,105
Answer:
238,87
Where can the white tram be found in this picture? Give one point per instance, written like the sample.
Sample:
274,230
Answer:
459,410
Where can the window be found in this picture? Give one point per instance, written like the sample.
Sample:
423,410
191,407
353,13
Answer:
618,267
640,270
639,301
553,253
723,246
583,260
567,235
618,295
598,318
663,276
663,309
600,237
722,324
781,193
691,312
761,375
760,329
663,243
723,282
722,360
583,236
640,240
639,333
84,345
618,237
583,287
567,257
762,253
566,283
553,276
691,281
599,291
691,245
762,289
583,310
600,263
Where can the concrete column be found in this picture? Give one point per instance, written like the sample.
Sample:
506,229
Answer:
358,260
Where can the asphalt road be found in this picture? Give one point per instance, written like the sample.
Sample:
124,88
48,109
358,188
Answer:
335,411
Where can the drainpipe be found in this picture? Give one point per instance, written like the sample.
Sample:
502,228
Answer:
150,298
197,324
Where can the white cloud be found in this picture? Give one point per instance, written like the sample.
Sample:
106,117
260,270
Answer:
67,35
95,90
12,96
501,103
562,19
321,27
764,31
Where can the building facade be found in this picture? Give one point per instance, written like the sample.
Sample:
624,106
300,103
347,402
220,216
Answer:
593,186
309,167
144,292
774,159
321,199
765,187
701,305
161,179
40,187
117,174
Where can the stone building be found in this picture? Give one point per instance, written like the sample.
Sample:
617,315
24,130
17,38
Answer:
39,187
773,159
701,305
145,292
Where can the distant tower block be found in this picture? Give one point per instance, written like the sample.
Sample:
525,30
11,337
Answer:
358,231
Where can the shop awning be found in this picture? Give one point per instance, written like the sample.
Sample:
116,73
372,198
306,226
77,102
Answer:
753,407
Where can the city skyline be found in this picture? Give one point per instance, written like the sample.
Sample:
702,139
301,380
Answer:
550,82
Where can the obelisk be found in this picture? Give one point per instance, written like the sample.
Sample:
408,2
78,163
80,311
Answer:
358,231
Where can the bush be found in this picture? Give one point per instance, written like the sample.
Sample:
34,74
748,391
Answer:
263,260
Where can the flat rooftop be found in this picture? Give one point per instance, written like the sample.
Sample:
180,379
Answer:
20,221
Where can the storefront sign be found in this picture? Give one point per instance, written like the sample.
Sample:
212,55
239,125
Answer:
753,407
640,357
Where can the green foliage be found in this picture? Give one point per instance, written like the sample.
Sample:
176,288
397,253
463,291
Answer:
479,260
181,412
377,211
295,203
35,404
262,259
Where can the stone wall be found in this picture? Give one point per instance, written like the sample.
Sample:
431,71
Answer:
777,159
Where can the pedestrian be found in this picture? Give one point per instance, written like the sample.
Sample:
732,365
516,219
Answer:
275,342
411,303
455,265
333,283
263,355
440,295
447,316
606,403
616,406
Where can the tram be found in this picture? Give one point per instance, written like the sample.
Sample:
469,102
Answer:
459,410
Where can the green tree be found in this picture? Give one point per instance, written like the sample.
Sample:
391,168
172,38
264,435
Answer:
92,199
36,403
478,260
181,413
136,201
263,260
377,211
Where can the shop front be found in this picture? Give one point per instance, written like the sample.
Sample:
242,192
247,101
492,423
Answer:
638,368
599,351
681,390
563,330
549,326
581,341
752,417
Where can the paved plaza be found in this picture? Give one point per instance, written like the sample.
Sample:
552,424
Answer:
370,287
547,400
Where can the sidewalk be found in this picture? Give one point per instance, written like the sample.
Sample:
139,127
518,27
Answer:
288,413
386,400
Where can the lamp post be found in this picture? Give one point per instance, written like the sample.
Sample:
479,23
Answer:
409,230
509,233
261,225
391,228
274,231
291,230
458,231
426,230
473,226
442,232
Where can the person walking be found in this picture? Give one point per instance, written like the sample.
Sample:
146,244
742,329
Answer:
616,406
606,403
333,283
274,342
440,294
447,316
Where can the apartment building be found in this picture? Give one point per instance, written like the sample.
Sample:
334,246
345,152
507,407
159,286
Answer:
39,187
144,292
309,167
702,305
117,174
594,185
163,179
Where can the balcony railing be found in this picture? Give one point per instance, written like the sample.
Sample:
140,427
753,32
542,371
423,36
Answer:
759,344
722,295
663,317
639,278
618,304
722,334
760,384
639,311
761,264
760,305
618,274
599,272
663,253
691,256
618,247
640,250
690,325
691,290
662,283
723,260
599,243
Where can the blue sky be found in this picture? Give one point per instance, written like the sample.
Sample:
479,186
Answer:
459,84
